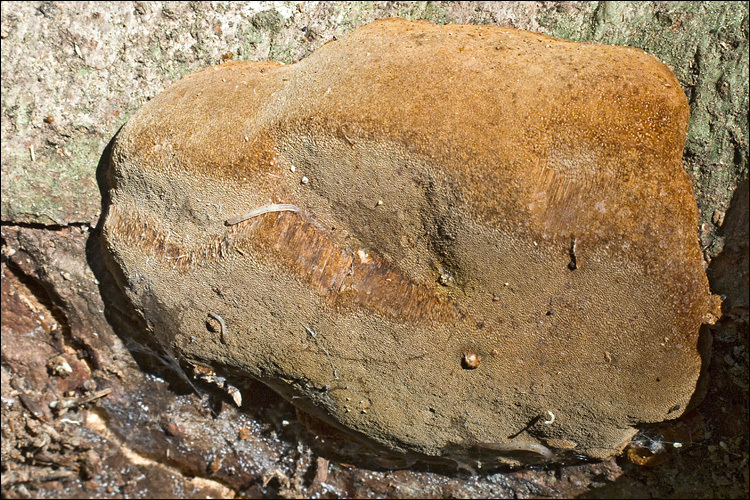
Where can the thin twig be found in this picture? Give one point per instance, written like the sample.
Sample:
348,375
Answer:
66,403
218,318
273,207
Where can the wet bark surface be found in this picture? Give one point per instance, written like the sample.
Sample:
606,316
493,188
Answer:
91,409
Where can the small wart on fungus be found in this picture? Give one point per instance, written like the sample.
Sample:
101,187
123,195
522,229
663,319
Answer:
471,360
569,187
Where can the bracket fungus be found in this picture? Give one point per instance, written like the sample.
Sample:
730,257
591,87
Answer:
372,222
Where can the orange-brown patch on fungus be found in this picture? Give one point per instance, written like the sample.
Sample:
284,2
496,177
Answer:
302,246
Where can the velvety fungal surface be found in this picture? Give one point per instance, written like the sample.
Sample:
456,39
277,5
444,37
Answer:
449,241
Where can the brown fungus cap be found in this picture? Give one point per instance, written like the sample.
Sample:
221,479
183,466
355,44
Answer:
447,240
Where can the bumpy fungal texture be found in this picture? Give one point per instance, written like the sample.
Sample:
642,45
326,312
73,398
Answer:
455,189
